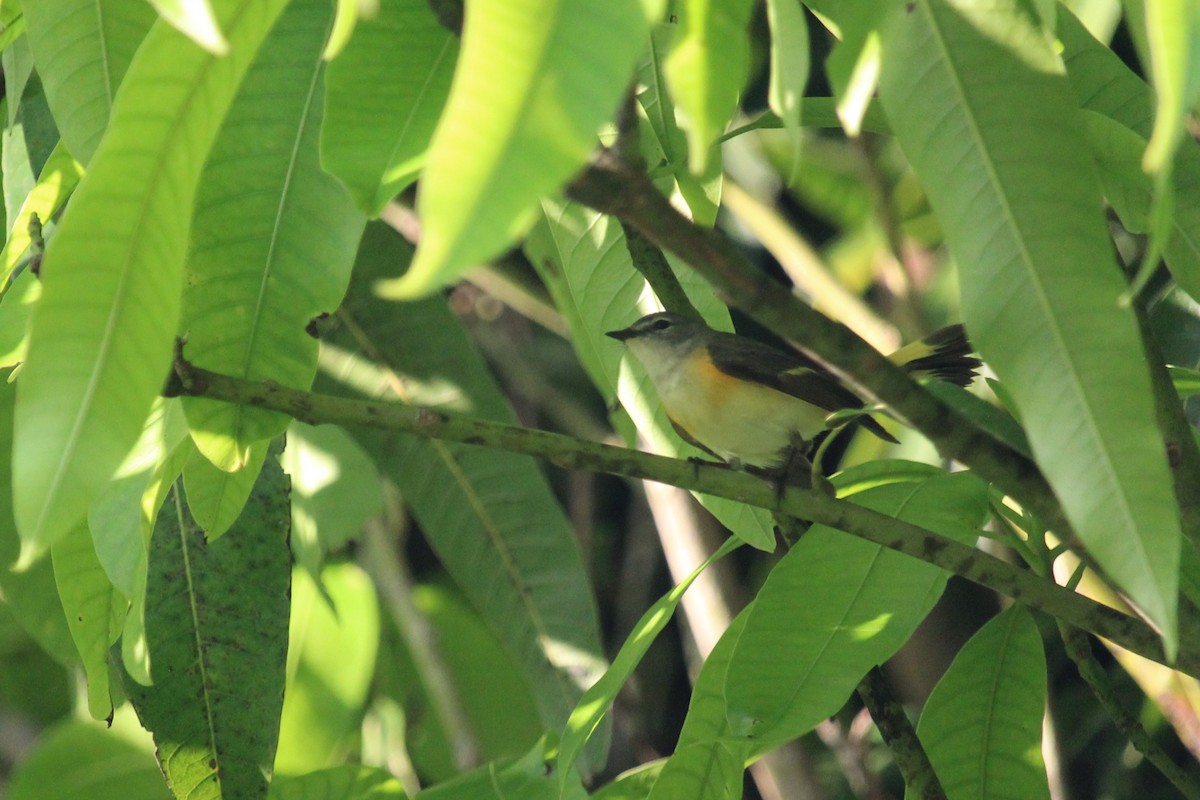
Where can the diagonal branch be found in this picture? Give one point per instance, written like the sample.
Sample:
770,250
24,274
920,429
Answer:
565,451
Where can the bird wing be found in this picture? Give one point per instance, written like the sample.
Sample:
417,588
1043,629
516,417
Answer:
751,360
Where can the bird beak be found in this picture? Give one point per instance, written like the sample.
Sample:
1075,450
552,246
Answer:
622,335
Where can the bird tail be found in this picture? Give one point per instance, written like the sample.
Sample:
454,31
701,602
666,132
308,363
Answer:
945,354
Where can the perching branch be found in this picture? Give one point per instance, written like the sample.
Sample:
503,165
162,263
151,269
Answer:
567,452
615,188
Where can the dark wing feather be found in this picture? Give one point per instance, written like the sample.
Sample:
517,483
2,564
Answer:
753,361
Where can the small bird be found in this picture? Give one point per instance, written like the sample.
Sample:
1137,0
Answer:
752,404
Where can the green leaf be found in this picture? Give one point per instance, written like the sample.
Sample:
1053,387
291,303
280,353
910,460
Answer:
101,337
273,240
583,260
95,612
703,771
27,143
708,760
346,782
195,20
982,725
335,489
16,306
384,95
12,23
59,176
600,696
835,606
32,595
535,81
489,515
990,129
1173,32
528,779
216,497
1102,83
701,193
65,764
1118,153
707,68
331,659
217,631
853,64
789,70
82,49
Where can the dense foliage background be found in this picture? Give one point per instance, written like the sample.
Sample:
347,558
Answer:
234,225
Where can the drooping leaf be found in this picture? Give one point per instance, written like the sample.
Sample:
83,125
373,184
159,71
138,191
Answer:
216,497
1005,164
710,770
217,632
489,515
195,20
273,239
981,727
789,69
95,612
1173,32
707,68
596,700
535,81
384,95
82,49
836,606
101,337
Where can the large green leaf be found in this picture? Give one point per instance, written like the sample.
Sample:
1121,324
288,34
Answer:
535,81
977,99
82,49
273,239
836,606
384,96
711,770
707,68
489,515
101,337
982,725
217,625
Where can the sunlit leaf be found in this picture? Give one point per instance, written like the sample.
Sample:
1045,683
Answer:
985,116
101,337
535,81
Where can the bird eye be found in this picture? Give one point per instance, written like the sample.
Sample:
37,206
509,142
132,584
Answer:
660,325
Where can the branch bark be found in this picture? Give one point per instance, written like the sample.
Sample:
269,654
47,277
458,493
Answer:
567,452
